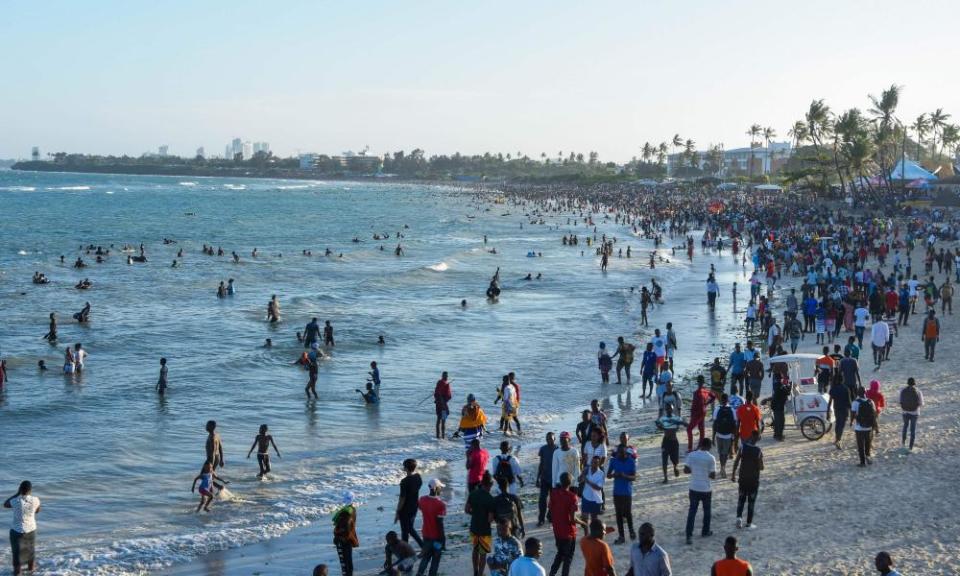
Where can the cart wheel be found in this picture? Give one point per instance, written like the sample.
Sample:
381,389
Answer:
812,428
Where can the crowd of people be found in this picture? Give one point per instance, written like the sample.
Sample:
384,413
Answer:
856,274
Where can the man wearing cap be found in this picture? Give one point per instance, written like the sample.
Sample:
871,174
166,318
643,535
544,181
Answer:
433,510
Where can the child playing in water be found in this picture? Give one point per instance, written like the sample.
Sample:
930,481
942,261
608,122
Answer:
207,479
262,443
605,363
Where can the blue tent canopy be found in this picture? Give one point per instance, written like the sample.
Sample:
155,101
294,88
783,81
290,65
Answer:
910,170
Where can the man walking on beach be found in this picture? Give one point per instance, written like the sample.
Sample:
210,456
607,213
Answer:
702,399
911,400
433,510
865,424
545,475
929,335
702,468
647,558
750,462
879,335
623,471
564,507
480,508
670,445
408,502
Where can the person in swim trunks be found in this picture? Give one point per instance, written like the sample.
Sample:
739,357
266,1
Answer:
262,443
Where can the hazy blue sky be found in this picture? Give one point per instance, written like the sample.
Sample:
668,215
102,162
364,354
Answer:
126,76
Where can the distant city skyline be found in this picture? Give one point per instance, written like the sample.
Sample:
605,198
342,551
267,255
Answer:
107,77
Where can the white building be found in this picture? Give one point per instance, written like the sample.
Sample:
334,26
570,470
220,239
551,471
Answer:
247,150
261,147
162,150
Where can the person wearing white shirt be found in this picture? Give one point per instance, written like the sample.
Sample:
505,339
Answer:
702,467
527,564
565,459
860,315
879,335
592,480
23,531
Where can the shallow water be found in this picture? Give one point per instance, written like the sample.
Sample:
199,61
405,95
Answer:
113,463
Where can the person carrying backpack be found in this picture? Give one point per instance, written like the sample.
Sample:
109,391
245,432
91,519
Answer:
864,425
910,402
724,427
930,335
506,466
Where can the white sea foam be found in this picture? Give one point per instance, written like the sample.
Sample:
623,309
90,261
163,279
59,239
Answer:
18,188
68,188
22,252
188,183
235,186
441,267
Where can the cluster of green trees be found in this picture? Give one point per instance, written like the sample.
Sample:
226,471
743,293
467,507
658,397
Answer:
847,147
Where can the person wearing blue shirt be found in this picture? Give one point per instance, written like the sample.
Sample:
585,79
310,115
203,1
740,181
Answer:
623,470
737,363
648,370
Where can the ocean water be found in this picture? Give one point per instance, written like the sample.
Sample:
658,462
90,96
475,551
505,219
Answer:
113,463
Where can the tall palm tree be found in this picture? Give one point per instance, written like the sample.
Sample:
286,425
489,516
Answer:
799,133
754,131
661,153
920,127
689,150
950,137
647,152
884,117
938,119
819,126
768,135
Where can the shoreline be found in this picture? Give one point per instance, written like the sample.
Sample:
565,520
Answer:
794,506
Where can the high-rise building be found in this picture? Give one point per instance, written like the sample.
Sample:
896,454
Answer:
162,150
35,154
236,148
228,152
261,147
201,153
247,150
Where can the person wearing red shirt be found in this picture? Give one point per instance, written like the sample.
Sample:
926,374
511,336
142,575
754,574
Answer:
891,300
563,517
748,417
442,394
433,510
698,411
477,460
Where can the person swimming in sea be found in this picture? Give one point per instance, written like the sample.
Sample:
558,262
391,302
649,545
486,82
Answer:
51,335
371,396
262,443
273,310
398,250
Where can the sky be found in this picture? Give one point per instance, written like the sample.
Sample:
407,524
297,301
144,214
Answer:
115,77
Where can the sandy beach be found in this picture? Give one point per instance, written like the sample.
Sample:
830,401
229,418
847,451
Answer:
817,512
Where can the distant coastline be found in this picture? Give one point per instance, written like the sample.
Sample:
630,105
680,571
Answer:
183,170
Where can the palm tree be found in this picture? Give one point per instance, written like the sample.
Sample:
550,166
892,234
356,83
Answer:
884,117
768,135
920,126
819,127
859,155
647,152
754,131
799,133
950,136
689,150
937,121
661,153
